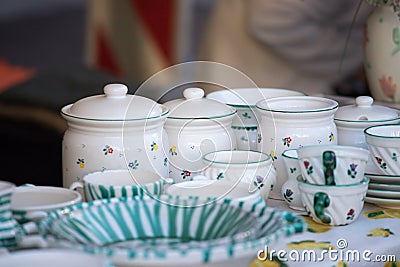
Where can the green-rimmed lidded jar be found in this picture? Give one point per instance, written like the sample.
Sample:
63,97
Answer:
115,130
196,126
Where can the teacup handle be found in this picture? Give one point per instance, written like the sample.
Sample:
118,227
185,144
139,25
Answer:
76,185
322,201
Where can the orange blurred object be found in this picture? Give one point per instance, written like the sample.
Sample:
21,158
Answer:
13,75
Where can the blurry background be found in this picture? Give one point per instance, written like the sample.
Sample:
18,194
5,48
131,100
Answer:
54,52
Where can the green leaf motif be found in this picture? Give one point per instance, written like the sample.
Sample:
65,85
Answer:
396,40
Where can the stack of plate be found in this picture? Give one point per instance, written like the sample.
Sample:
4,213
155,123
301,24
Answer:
384,190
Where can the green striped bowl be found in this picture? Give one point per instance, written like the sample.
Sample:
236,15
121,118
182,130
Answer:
168,231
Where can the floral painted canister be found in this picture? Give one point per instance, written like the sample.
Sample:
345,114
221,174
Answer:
115,130
196,126
292,122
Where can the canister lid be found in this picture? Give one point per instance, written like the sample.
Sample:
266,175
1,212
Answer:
115,104
364,110
195,106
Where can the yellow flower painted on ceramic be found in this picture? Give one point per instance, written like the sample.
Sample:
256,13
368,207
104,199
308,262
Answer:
172,151
310,244
384,232
392,264
382,214
314,227
273,155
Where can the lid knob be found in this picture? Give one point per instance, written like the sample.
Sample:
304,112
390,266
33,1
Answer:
115,90
193,93
364,101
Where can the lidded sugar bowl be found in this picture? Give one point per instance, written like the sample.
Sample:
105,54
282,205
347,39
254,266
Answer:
195,127
352,120
115,130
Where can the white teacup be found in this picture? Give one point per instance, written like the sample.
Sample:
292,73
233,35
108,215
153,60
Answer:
121,183
51,258
31,203
234,192
251,167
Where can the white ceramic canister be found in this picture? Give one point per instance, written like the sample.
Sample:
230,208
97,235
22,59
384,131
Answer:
292,122
195,127
115,130
352,120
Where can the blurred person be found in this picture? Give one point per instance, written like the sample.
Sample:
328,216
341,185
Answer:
307,45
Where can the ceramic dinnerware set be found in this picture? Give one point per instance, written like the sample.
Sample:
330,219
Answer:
150,198
187,181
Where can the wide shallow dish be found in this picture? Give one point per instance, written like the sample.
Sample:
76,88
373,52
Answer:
167,231
217,189
386,179
383,193
384,144
384,202
382,186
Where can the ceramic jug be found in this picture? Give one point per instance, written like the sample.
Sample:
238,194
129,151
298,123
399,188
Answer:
115,130
292,122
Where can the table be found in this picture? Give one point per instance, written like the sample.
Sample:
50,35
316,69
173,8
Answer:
372,240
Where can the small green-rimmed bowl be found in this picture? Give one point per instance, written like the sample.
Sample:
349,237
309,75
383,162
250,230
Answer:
384,144
333,204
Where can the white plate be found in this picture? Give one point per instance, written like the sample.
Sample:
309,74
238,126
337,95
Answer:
387,179
384,202
384,193
381,186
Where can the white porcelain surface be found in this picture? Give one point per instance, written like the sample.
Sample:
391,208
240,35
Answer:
51,258
245,123
333,205
386,179
218,189
384,144
291,122
332,164
384,187
113,131
196,126
384,202
383,193
31,203
382,54
251,167
290,189
120,183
